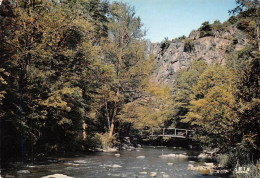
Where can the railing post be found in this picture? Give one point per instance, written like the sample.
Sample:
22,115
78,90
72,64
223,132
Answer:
152,131
163,131
175,131
186,133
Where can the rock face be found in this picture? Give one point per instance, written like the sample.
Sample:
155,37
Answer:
213,49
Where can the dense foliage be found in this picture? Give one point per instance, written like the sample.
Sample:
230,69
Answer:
67,69
221,102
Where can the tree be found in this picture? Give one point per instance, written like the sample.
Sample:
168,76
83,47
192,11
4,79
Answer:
94,11
182,92
124,50
151,109
245,64
213,110
53,66
205,29
249,5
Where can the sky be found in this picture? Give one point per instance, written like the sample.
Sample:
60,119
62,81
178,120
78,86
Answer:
175,18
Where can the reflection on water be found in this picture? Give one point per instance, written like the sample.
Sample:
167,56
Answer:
145,162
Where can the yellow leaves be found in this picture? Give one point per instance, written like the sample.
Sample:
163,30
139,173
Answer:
141,114
58,99
64,121
151,111
3,73
215,75
199,103
3,82
193,118
159,91
213,110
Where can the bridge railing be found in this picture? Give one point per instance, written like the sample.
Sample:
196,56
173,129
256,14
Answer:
167,132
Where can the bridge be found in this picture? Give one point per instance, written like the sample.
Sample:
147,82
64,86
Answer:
167,132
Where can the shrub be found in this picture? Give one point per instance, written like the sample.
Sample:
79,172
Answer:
205,29
217,25
105,141
234,158
233,20
242,25
165,45
235,41
188,45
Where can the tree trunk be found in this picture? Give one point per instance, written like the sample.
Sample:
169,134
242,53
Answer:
107,113
84,126
111,131
112,125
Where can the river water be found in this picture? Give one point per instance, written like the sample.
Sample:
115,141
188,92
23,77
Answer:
142,162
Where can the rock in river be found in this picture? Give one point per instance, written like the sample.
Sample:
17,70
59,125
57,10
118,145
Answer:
140,157
153,174
143,173
23,172
57,176
116,166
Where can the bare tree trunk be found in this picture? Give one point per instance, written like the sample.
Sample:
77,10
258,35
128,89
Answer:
112,125
111,131
107,113
84,126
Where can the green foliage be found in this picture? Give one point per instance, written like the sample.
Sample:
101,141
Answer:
242,25
182,92
233,19
234,158
205,29
188,45
165,45
213,109
222,106
124,52
217,25
106,141
55,60
249,13
150,111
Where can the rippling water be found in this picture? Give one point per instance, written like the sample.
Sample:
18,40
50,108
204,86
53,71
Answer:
137,163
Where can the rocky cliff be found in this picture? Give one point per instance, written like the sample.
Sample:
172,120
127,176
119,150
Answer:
179,53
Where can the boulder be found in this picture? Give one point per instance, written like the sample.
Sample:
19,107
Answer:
175,156
23,172
116,166
140,157
110,150
117,155
57,176
153,174
143,173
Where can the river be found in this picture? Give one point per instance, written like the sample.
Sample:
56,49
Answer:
143,162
